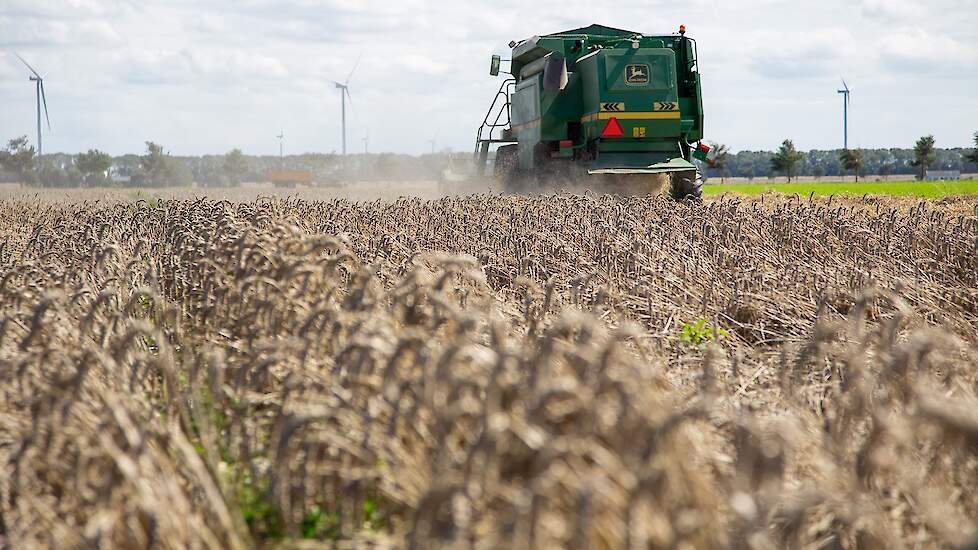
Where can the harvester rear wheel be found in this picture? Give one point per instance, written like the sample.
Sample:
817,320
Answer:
686,185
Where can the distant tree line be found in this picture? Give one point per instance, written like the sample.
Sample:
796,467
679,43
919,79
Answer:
789,162
93,168
156,167
327,168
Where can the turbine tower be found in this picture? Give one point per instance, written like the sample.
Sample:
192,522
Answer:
281,158
845,114
344,89
38,81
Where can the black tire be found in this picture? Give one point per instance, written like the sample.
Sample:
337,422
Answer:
686,186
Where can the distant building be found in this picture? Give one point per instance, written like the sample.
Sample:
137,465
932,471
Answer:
119,178
935,175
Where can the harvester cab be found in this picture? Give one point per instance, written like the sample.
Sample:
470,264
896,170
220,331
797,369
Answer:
616,109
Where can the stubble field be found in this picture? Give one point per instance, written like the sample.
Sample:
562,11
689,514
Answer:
488,372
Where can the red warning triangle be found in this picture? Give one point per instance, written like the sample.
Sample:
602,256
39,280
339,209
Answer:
612,129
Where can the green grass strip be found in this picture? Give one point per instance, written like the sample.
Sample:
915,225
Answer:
925,189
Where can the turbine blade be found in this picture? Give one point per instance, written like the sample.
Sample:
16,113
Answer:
355,65
24,61
844,85
45,100
348,97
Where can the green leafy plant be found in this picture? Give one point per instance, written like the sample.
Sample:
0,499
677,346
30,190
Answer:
972,156
373,518
94,165
700,333
924,155
320,524
852,160
263,518
786,159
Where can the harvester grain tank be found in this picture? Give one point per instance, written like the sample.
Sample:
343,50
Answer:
619,110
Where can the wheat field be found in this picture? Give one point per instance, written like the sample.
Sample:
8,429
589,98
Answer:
489,372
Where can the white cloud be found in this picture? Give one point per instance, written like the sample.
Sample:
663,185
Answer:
209,23
799,55
169,67
893,10
912,50
421,64
208,75
28,31
62,9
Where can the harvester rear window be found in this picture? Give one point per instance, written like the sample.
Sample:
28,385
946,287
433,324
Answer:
644,71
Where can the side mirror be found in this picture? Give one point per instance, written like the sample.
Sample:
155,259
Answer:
494,65
690,55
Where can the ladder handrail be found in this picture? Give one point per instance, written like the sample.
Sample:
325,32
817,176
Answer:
505,91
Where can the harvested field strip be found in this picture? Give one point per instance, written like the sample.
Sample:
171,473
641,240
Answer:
514,372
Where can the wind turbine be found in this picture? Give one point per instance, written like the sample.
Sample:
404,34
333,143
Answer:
39,85
344,89
845,114
281,158
366,142
432,142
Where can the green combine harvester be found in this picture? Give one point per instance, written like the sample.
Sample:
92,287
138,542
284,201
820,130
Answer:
617,111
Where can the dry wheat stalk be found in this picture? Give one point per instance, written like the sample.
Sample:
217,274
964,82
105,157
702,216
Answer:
488,372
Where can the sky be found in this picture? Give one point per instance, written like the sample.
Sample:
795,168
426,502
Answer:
206,76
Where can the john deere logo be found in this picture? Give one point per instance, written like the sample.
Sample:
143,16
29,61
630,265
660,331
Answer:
636,74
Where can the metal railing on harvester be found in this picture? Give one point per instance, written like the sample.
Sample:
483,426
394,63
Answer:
484,136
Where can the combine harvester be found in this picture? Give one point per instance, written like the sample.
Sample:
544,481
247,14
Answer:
614,111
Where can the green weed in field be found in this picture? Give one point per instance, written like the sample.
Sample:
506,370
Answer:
700,333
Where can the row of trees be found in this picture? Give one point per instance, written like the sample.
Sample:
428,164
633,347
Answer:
156,167
788,161
925,155
326,168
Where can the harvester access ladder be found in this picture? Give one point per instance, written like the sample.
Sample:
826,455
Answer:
484,137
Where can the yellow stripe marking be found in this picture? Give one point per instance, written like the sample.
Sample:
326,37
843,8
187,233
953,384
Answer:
660,115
